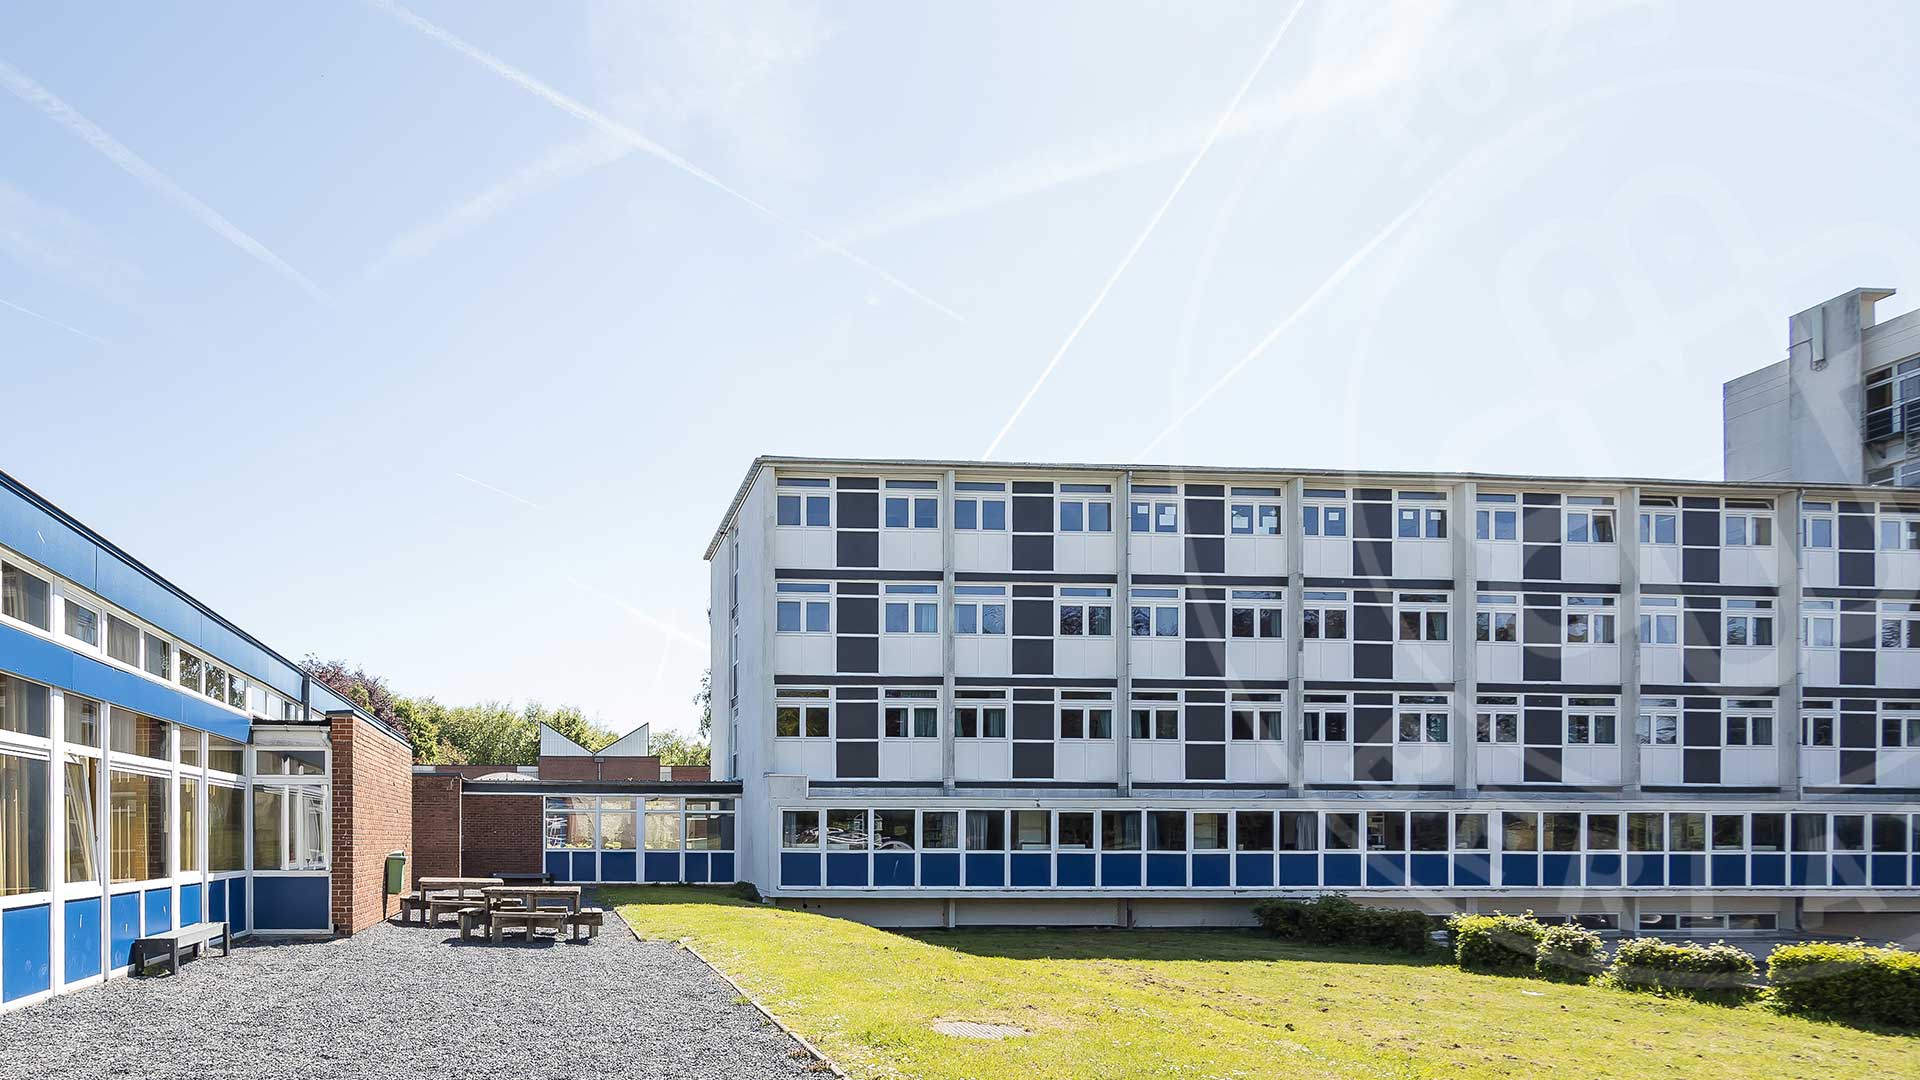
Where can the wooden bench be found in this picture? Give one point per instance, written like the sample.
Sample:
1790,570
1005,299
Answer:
472,918
411,904
591,919
531,919
169,944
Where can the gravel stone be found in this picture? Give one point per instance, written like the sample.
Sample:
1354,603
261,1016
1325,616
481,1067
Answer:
410,1002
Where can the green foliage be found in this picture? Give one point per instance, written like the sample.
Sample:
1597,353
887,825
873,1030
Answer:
704,699
1336,920
1718,973
673,748
1569,953
1852,982
1496,944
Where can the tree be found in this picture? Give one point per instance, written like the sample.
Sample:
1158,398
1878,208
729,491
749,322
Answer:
673,748
704,699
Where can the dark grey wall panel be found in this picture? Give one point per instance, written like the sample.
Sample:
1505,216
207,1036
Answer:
1540,664
1540,626
1207,659
1373,763
858,720
1207,762
1206,723
1540,562
1206,555
1206,517
1032,552
1033,761
1373,558
1033,720
1206,620
1700,666
1372,623
856,654
1542,727
1033,656
1373,724
1033,618
856,615
1857,731
1700,766
856,549
1700,564
1540,525
1033,513
1856,532
1856,568
856,760
856,509
1372,660
1542,765
1856,668
1700,628
1859,767
1701,729
1700,528
1858,632
1372,521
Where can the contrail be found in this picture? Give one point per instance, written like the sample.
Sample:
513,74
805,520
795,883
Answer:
664,626
51,322
117,152
640,142
499,491
1141,240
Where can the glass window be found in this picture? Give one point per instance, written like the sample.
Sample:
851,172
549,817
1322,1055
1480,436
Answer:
986,830
288,762
847,830
83,721
23,707
1686,832
23,825
1167,830
1603,832
131,733
570,830
1253,831
1032,830
216,683
269,820
617,831
1299,830
24,597
225,755
1119,830
1769,832
1520,832
306,829
893,830
663,829
1342,832
83,623
123,640
1075,829
226,828
940,829
190,853
1470,832
189,675
709,832
800,828
138,827
1644,832
83,789
1729,832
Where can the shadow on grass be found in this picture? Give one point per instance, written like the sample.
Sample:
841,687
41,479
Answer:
712,895
1111,943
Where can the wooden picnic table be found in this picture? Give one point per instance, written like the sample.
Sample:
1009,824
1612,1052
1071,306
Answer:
439,896
531,906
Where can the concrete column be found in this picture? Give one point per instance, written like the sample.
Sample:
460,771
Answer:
1786,641
1123,632
1627,540
946,632
1296,681
1466,669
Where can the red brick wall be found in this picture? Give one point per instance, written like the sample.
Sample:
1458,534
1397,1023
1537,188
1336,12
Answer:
436,825
629,768
692,772
372,815
499,833
569,768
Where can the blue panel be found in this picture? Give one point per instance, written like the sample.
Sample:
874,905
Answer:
1686,870
619,866
123,916
1166,871
1809,869
940,869
1254,871
893,868
217,901
26,948
1519,870
1212,871
1769,869
720,867
237,904
986,869
1729,869
586,866
557,865
847,869
1646,870
1559,870
696,866
46,540
41,660
799,869
1472,870
159,911
1031,870
290,903
1119,870
140,594
1889,870
1849,868
1428,871
190,910
1299,870
1602,870
665,865
83,939
1341,870
1075,870
1386,870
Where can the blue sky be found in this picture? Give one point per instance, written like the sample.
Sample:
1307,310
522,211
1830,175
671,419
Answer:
438,337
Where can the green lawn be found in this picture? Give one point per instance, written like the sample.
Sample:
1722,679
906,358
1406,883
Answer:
1214,1004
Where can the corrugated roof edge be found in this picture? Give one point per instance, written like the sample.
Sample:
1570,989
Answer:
13,484
778,461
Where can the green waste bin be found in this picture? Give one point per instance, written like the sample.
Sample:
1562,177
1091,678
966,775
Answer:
396,873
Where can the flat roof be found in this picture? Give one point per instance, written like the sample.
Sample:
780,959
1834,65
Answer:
779,461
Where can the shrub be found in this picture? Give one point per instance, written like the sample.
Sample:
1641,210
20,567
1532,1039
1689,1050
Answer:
1718,972
1336,920
1496,944
744,890
1852,982
1568,953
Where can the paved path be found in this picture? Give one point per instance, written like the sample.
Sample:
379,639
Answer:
409,1002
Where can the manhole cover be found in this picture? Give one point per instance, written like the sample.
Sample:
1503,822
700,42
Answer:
970,1029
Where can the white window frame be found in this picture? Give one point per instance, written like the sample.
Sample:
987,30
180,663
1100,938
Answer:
1268,607
1313,514
914,701
1488,710
1158,707
1653,516
1599,611
1258,516
1085,600
1316,712
1590,516
802,596
1321,602
1593,710
1666,614
1819,619
914,598
805,496
1155,608
1427,708
1490,606
1647,728
1821,513
1086,503
1415,604
1086,706
914,497
979,498
1260,708
1491,510
1906,620
977,599
1750,616
1752,523
1163,513
1746,711
803,698
979,707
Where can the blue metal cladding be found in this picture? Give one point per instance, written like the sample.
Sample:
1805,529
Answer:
1729,869
237,904
1075,870
1643,870
800,869
33,657
1472,870
290,903
558,867
846,870
1427,871
190,905
159,911
1603,870
664,866
1299,870
1386,870
1560,870
1119,870
1255,871
1166,871
1340,871
1809,869
892,868
1212,871
619,866
586,866
721,868
26,950
1849,868
982,869
695,867
82,954
1769,870
1889,870
123,920
217,902
1686,871
940,869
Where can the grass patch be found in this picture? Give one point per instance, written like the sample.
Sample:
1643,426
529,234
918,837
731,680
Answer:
1214,1004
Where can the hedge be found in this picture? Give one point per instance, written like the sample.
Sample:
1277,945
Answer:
1496,944
1850,982
1717,973
1569,953
1336,920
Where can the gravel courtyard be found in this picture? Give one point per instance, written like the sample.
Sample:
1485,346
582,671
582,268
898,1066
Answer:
409,1002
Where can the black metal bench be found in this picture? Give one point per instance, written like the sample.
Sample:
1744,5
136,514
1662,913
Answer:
168,945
